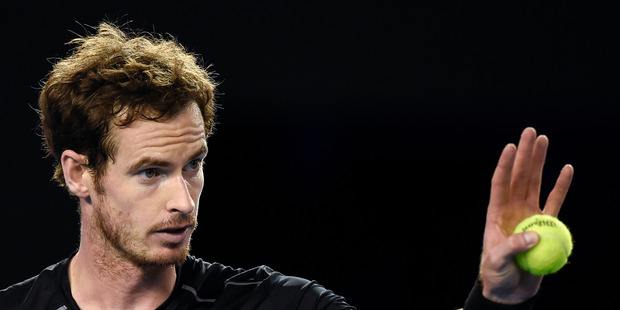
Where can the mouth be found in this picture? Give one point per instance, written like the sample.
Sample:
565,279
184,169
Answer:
175,229
174,235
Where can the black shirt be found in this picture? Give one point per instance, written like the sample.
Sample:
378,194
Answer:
199,285
210,286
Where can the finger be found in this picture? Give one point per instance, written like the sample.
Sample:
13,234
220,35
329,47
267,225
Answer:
559,191
501,255
500,182
523,162
538,161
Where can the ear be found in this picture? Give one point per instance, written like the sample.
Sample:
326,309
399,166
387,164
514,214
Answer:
77,175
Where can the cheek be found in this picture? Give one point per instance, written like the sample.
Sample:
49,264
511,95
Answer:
123,203
196,188
118,190
116,214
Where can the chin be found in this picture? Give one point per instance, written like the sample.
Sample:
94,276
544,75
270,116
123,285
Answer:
172,257
166,256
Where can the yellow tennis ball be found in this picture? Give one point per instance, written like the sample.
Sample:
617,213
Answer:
553,248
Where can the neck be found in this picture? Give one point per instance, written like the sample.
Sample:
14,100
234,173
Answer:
101,278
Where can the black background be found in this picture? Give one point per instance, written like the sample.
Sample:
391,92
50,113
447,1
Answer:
356,140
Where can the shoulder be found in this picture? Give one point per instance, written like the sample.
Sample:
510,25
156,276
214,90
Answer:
268,289
44,288
258,288
13,296
303,293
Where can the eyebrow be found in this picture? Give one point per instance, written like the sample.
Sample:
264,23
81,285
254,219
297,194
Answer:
151,161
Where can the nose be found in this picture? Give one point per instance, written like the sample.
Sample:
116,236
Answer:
180,198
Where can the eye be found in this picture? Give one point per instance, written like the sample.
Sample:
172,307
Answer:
148,173
194,164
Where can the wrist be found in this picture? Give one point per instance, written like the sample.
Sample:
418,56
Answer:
499,297
478,301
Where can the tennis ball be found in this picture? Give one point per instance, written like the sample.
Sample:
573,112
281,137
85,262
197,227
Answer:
553,248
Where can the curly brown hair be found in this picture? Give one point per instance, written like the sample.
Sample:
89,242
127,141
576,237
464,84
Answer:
112,78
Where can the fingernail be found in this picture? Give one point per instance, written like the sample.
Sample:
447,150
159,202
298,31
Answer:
530,237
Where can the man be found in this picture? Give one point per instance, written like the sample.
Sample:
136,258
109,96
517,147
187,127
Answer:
127,119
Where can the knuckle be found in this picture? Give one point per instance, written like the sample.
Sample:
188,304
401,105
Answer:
495,259
516,242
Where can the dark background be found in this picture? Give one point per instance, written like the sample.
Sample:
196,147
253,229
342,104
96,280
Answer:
356,139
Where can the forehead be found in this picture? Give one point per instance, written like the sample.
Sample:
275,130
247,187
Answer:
184,129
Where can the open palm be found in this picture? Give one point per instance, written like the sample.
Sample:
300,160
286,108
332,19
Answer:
515,195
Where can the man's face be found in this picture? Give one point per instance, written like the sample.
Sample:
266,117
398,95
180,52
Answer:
149,204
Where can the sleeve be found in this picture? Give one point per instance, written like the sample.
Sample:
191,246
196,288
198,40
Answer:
475,301
9,300
13,296
261,288
316,297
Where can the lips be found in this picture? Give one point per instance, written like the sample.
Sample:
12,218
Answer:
175,229
174,235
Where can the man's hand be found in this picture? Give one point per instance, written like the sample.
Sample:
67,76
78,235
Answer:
515,194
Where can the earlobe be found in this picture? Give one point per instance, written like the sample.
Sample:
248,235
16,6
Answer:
77,176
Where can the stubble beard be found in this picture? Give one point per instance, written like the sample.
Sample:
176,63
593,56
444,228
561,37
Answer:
119,239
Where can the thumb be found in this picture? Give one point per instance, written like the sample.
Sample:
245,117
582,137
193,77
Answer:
500,273
501,255
518,243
